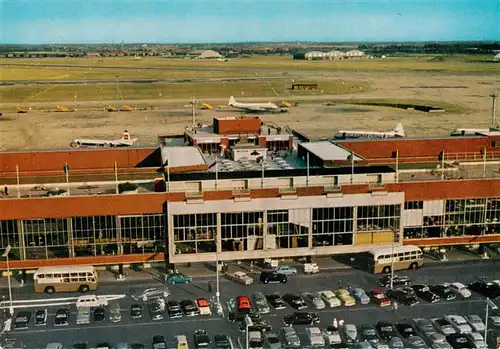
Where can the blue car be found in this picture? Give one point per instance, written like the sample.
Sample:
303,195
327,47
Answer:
286,270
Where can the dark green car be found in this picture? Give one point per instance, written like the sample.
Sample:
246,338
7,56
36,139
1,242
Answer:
179,278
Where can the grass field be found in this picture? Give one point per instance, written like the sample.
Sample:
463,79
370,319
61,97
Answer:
151,91
421,63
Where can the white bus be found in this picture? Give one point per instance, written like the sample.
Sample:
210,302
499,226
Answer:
66,279
402,257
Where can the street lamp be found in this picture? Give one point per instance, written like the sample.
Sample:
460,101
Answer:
248,323
493,306
217,291
6,255
392,258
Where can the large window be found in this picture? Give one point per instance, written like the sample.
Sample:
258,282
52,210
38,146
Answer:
9,235
332,226
377,218
143,233
46,238
290,227
93,236
242,231
465,217
195,233
493,216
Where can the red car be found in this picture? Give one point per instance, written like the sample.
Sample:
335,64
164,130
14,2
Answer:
243,304
379,297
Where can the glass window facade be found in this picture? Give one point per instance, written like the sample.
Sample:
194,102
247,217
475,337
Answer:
290,227
195,233
46,238
332,226
93,236
378,218
9,235
242,231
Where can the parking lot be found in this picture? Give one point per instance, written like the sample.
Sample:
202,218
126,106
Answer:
142,330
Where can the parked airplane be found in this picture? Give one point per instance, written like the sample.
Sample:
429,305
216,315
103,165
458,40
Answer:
255,107
127,108
125,141
470,132
63,109
396,133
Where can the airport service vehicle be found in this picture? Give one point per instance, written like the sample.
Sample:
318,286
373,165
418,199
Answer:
201,339
385,280
152,293
189,308
385,330
65,279
332,335
62,317
115,314
267,276
330,298
41,317
425,293
379,297
345,297
286,270
99,314
276,301
460,341
260,303
136,311
203,306
403,257
221,341
369,333
315,299
91,301
83,316
241,278
21,320
295,301
459,289
443,326
351,333
301,318
159,342
459,323
406,330
315,337
272,341
485,289
443,291
179,278
289,337
311,268
174,310
360,295
475,322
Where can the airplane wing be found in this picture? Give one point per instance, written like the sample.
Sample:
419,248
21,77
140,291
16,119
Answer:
255,109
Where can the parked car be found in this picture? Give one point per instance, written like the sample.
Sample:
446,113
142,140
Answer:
272,341
424,326
379,297
360,295
330,298
174,309
301,318
295,301
332,335
460,341
243,304
62,317
315,299
222,341
345,297
416,342
258,323
159,342
485,289
99,314
443,326
403,295
424,292
369,334
443,291
315,337
152,293
475,322
203,306
405,329
179,278
83,316
260,302
478,340
289,337
155,311
270,276
241,278
115,314
459,289
385,280
459,323
438,341
385,330
286,270
351,333
396,343
276,301
91,301
255,340
21,321
136,311
201,339
41,317
189,308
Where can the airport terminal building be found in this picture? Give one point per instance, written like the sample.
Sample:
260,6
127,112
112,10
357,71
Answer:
180,204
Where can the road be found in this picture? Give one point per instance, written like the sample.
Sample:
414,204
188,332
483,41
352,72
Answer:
143,330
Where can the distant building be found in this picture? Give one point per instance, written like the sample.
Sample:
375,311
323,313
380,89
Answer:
315,55
335,54
496,58
206,54
355,54
304,86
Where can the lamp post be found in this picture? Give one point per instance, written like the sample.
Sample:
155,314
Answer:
6,255
493,306
217,291
248,323
392,259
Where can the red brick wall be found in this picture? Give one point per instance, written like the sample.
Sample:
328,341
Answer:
237,126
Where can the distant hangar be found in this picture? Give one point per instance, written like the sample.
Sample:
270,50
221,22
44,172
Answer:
331,55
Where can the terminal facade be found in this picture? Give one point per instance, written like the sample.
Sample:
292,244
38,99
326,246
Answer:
340,197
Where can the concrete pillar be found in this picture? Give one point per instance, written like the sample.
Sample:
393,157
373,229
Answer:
218,232
71,245
22,242
401,227
118,224
309,229
354,224
170,247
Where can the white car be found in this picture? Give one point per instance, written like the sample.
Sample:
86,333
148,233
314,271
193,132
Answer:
351,333
478,340
494,321
152,293
332,335
315,337
438,341
459,289
241,278
475,322
315,299
459,323
330,298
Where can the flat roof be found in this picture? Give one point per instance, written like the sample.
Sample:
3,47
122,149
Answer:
181,156
328,151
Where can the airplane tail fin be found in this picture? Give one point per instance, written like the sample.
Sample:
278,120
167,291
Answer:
126,136
399,130
231,101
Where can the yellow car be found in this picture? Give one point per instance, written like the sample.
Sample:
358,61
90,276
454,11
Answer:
345,297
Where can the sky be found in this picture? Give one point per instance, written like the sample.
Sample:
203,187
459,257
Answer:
219,21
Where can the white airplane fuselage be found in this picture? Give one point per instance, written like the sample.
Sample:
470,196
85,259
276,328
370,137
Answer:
252,106
398,132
